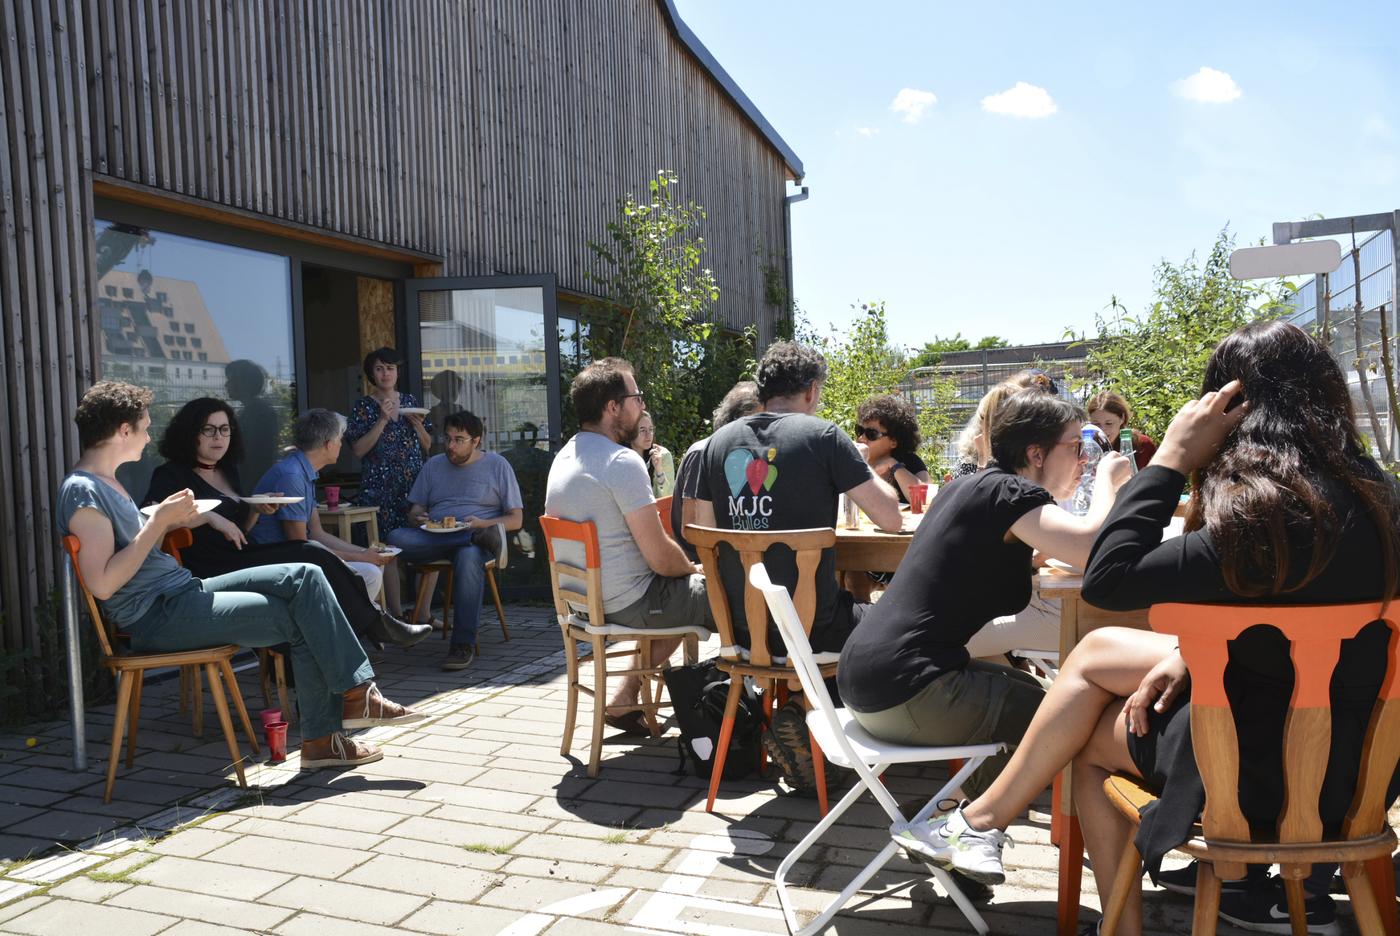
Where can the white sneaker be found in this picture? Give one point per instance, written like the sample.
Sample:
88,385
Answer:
949,842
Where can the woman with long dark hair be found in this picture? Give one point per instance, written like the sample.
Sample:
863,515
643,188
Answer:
1287,507
202,447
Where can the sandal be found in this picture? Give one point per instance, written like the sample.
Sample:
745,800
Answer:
344,752
633,724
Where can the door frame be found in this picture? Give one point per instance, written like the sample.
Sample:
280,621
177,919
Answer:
410,336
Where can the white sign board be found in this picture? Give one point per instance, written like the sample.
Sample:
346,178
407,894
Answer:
1319,256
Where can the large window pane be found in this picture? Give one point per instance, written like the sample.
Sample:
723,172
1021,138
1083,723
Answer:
190,318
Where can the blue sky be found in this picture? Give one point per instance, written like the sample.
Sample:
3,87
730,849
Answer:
977,216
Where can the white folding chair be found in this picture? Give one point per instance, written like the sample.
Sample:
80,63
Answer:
1047,661
844,742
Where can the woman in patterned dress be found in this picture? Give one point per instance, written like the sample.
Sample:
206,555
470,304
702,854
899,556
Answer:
390,447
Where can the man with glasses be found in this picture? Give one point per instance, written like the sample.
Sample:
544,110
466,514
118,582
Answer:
646,580
478,491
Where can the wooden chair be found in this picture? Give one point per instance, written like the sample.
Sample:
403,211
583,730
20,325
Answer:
444,568
1223,843
757,661
130,669
598,634
663,507
269,660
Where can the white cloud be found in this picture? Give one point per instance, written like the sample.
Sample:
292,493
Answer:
1021,100
911,102
867,131
1209,85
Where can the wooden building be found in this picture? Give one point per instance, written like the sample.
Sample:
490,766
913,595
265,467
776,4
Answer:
241,198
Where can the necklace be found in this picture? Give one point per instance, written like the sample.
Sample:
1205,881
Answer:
199,464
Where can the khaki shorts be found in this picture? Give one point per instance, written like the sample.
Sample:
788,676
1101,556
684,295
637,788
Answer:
669,602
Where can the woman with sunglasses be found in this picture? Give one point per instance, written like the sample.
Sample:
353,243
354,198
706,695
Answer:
888,433
905,674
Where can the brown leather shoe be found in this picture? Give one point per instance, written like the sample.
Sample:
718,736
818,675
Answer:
364,707
336,750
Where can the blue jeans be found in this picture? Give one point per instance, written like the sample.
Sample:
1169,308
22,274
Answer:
468,572
262,607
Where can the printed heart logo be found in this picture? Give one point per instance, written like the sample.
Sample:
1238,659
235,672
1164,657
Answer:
772,476
736,464
757,473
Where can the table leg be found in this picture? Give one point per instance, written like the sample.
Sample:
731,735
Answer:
1064,824
390,569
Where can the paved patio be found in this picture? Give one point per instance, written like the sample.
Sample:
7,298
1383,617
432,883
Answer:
471,824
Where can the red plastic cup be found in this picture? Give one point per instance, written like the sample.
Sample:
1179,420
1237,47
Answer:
270,716
918,493
276,735
332,496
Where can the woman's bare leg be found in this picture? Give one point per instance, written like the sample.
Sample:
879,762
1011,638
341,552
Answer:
1107,665
1105,829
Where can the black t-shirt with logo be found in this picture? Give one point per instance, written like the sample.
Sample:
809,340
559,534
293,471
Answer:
783,471
959,573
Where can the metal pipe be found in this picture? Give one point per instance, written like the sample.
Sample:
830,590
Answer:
74,648
788,202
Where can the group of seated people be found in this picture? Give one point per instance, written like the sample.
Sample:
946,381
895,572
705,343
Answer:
1286,506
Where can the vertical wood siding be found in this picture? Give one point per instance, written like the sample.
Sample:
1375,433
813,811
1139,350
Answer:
496,134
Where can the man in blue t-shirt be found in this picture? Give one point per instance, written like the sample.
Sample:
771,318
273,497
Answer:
477,490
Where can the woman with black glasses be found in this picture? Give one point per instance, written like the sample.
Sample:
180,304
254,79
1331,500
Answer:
888,432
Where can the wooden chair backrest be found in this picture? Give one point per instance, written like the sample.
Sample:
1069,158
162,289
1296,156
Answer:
71,545
585,535
663,507
1315,634
752,547
176,540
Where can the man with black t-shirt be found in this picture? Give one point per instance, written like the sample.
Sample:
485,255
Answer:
785,469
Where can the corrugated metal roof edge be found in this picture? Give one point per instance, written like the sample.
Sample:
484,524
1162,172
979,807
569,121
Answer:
731,88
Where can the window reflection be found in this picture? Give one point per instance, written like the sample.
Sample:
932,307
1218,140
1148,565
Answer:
188,318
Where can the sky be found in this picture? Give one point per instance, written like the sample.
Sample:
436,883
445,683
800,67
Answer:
1001,168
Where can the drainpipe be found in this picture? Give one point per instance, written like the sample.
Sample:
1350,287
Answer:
788,202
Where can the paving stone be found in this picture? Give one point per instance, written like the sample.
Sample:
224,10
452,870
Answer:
491,817
315,834
311,924
59,825
66,917
219,880
256,851
29,796
558,870
455,919
191,843
45,778
455,833
83,887
588,850
475,797
14,890
200,928
19,907
22,847
204,907
523,893
334,815
453,855
346,901
411,876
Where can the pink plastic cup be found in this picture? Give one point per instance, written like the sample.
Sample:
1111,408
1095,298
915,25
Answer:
276,735
332,496
918,494
270,716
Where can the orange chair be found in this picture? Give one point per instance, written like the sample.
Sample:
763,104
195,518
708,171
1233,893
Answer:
663,507
129,669
1223,843
598,633
757,661
269,660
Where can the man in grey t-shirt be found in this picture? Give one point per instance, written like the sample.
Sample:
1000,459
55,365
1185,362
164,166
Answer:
646,580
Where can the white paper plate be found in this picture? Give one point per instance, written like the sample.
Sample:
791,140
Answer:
1063,566
202,505
413,411
271,499
389,551
459,527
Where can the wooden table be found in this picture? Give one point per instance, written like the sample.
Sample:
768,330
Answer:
343,519
1077,618
868,549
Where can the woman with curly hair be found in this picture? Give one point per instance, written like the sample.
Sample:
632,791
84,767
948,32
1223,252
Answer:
888,434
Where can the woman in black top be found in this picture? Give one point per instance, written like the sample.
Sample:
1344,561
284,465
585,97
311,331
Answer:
890,430
202,447
905,674
1289,509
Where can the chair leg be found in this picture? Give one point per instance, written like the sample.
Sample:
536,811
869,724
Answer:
1381,872
769,694
1297,913
571,710
264,658
1364,904
196,682
227,670
1129,876
1071,873
279,667
133,718
726,732
692,649
1207,909
600,703
422,595
496,597
446,602
124,683
819,768
221,706
648,709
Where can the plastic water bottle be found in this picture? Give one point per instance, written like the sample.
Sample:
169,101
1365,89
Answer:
1125,445
1084,494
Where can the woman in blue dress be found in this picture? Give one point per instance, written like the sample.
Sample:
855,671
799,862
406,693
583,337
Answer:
390,446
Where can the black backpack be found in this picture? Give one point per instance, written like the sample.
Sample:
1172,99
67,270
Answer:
698,693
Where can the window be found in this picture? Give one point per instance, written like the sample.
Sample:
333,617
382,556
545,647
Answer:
174,326
196,342
189,327
111,290
128,293
170,339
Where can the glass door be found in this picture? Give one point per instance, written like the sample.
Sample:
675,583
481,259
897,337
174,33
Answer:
491,345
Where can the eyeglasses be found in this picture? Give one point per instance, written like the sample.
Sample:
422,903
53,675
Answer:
648,430
869,433
639,395
1078,447
211,431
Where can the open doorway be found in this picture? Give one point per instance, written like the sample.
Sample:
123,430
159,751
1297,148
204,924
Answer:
344,317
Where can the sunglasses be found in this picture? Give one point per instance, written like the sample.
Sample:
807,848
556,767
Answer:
210,432
869,433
